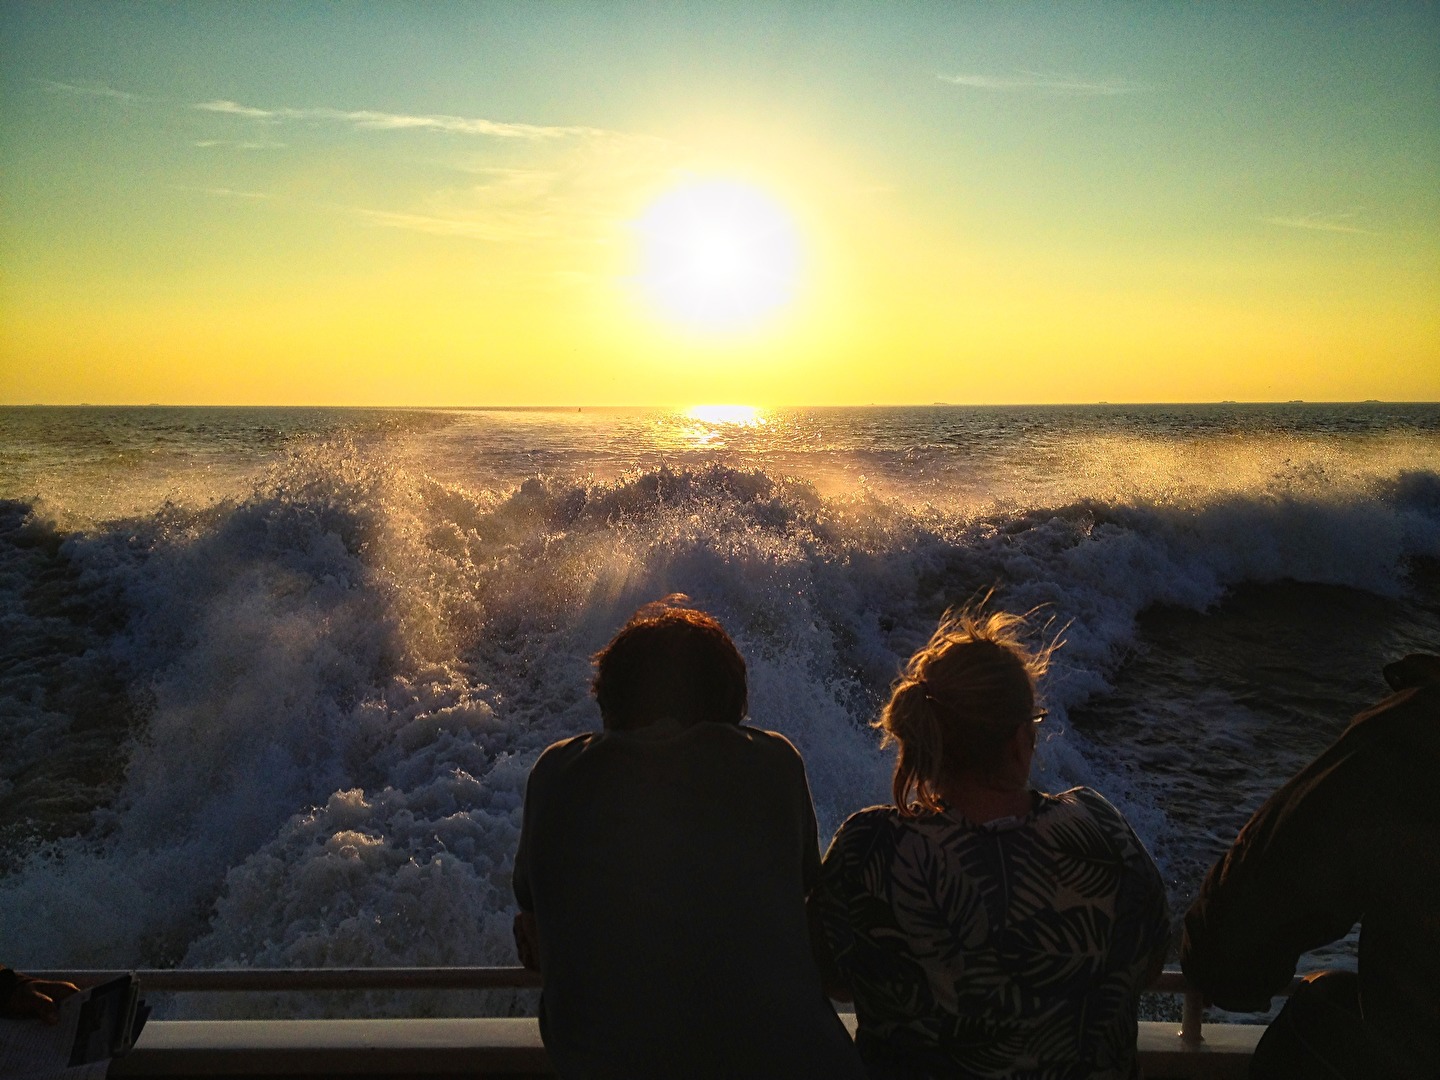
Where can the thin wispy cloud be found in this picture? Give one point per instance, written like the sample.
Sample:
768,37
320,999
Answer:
383,121
514,205
579,197
356,118
490,228
87,89
1037,83
1337,223
209,144
232,108
576,192
222,192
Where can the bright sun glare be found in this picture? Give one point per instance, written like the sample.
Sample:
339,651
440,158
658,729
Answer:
740,415
718,255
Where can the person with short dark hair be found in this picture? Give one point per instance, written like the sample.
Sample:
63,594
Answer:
986,929
662,872
670,662
1353,837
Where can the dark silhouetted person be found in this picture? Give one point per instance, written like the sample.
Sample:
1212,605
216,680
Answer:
662,873
1354,837
986,929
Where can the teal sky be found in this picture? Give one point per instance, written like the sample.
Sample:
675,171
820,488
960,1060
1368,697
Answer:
1214,161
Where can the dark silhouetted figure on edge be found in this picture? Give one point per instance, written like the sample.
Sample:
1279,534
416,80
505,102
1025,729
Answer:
1354,837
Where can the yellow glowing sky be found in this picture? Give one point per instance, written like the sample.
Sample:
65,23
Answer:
414,205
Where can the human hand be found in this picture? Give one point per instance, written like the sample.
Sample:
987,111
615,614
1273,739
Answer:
39,998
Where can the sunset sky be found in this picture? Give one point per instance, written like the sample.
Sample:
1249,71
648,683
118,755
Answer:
506,204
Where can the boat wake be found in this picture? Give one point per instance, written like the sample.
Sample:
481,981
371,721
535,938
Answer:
296,726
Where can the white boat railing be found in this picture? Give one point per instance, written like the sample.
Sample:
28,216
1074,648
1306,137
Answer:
203,980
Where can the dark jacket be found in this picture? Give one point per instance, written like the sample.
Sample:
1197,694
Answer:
1354,837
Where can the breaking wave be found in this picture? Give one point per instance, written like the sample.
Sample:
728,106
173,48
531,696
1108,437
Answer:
305,717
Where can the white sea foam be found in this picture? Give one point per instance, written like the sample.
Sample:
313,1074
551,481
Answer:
345,677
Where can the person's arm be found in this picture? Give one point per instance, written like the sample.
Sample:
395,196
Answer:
1159,915
1148,913
809,829
1141,934
832,937
21,995
810,871
525,928
527,939
837,988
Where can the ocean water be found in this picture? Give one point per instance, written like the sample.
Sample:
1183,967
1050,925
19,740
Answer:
271,680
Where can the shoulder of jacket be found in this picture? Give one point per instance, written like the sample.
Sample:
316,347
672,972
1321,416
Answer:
1091,804
557,753
764,735
869,821
769,742
1418,706
1090,799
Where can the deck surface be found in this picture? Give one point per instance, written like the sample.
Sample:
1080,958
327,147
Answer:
510,1048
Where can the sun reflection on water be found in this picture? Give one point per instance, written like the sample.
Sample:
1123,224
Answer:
738,415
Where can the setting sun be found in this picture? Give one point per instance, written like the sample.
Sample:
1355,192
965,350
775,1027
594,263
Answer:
717,255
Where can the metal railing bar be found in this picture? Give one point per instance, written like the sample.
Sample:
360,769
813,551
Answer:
203,980
1170,981
284,979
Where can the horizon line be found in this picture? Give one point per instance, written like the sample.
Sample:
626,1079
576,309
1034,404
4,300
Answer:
700,404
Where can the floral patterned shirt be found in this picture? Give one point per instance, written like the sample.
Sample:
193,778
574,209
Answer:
1013,949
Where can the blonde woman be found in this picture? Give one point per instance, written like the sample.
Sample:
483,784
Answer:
983,928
